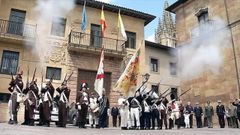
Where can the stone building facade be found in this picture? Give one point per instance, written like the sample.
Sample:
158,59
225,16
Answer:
63,47
208,86
161,64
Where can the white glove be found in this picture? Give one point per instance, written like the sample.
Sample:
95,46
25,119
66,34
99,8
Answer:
79,107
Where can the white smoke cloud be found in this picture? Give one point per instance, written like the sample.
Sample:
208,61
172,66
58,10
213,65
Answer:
204,51
47,10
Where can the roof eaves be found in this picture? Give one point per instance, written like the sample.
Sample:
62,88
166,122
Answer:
157,45
175,5
114,8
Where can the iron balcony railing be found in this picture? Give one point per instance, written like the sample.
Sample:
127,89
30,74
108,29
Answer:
89,41
17,30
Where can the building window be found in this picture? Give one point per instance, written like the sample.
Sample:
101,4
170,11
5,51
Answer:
154,65
9,62
4,97
131,40
155,88
174,93
203,17
54,73
16,22
58,27
173,68
96,36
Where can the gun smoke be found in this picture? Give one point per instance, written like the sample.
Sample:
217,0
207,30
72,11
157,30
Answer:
47,11
203,52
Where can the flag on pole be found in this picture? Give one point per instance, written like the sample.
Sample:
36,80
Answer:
84,18
103,22
128,80
98,84
121,26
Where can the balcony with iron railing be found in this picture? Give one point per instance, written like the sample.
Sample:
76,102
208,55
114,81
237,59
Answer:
15,31
90,43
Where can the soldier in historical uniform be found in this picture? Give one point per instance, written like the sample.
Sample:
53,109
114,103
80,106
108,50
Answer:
124,112
163,112
48,93
146,106
40,108
82,104
64,93
31,101
135,110
174,112
198,114
209,114
103,109
220,110
93,110
16,86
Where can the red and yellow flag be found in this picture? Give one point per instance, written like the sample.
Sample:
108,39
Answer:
128,80
103,23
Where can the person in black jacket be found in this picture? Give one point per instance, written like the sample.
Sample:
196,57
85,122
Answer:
114,113
198,114
220,110
189,109
237,104
103,109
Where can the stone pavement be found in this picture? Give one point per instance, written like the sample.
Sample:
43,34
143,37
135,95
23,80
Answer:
6,129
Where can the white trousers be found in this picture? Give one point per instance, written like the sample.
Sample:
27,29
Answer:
125,117
135,115
186,121
92,116
10,109
174,115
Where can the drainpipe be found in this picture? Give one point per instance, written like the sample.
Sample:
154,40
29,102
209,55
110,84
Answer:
233,47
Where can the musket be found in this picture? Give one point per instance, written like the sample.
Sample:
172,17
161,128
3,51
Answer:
12,76
34,73
64,79
51,79
165,91
42,81
167,94
184,92
141,86
69,76
27,83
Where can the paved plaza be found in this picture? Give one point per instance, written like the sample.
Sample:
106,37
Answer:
6,129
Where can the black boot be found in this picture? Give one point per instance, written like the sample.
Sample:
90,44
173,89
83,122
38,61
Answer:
31,123
10,121
170,123
15,119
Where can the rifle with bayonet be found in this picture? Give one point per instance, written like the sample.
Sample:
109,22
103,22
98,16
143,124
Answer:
34,74
27,84
143,83
66,80
184,92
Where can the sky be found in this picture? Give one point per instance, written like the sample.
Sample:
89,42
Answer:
153,7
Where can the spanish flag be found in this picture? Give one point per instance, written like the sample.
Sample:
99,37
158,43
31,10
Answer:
128,80
103,22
